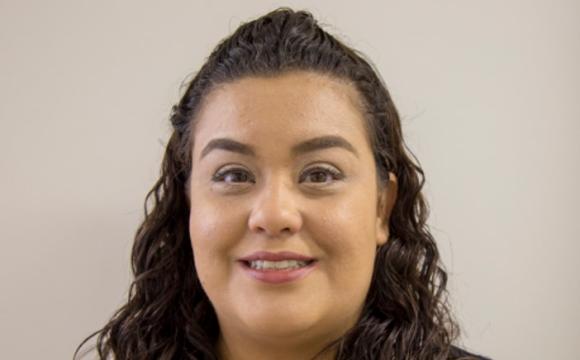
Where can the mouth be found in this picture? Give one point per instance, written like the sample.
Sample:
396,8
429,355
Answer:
276,256
278,272
281,265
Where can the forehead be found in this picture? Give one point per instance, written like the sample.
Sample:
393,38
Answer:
283,108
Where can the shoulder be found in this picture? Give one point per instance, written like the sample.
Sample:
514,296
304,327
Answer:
457,352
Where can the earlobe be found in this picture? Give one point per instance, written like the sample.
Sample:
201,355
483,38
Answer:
382,233
386,202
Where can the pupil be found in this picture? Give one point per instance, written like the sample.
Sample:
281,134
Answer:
236,175
320,176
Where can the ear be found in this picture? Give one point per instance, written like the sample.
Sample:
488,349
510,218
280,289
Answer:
385,202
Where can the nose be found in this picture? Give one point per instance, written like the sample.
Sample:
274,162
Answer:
275,213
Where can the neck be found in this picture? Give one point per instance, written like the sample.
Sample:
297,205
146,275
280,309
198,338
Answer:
232,347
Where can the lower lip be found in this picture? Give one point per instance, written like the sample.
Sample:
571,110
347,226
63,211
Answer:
278,276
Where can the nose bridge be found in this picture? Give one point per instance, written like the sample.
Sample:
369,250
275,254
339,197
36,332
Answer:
275,210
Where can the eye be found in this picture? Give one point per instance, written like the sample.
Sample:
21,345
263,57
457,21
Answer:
233,176
322,175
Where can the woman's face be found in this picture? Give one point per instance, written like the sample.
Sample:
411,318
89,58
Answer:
283,164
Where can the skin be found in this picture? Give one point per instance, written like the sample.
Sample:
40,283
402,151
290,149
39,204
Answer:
276,201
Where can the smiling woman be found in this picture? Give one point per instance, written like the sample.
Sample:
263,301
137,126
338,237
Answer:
284,234
288,222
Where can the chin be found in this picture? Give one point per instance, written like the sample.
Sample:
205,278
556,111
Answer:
279,324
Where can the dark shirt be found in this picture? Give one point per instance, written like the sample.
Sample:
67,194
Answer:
458,352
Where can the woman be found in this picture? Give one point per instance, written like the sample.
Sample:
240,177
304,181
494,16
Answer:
288,222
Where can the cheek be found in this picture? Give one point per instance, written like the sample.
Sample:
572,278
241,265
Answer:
346,237
212,224
351,221
347,234
214,231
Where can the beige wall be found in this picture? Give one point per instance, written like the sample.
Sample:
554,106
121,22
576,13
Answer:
488,92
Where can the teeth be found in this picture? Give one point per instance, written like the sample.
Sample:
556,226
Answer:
285,264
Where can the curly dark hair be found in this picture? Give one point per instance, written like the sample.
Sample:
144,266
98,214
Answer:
406,313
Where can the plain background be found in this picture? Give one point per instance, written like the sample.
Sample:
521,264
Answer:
488,92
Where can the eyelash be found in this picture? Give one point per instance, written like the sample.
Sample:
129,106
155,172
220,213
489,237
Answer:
335,174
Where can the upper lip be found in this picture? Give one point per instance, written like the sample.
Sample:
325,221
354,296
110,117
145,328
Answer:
277,256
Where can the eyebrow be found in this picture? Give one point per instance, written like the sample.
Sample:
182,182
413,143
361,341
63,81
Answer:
314,144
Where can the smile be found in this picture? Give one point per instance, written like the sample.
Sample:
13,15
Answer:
277,272
278,265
